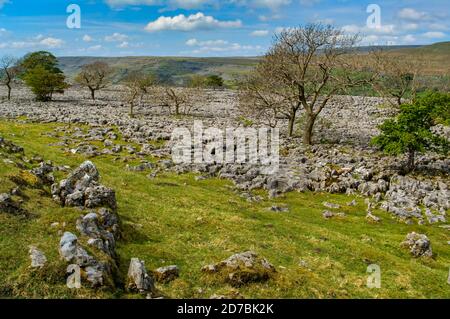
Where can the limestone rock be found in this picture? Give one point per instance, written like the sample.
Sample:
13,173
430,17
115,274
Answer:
81,188
242,268
166,274
418,244
38,259
138,279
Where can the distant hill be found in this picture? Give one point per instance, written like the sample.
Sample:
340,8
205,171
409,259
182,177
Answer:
435,56
169,69
176,69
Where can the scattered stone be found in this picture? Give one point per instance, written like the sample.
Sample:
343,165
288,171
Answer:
279,209
242,268
8,206
418,244
352,203
327,214
81,189
138,279
331,205
371,218
38,259
166,274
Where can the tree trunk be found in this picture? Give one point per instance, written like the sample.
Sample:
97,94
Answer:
9,92
411,165
131,109
291,124
93,94
308,130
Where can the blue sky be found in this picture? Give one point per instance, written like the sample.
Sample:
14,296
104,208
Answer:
205,27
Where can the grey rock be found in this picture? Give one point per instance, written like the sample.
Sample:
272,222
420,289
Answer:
38,259
418,244
167,274
138,279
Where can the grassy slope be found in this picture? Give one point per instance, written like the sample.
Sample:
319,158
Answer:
177,220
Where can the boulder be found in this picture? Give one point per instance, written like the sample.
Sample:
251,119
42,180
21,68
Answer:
81,189
71,252
96,273
242,268
38,259
138,280
371,218
166,274
418,244
7,205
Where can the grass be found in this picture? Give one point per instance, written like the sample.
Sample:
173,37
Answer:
174,219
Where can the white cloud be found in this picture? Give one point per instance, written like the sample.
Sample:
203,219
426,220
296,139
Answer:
412,14
87,38
383,29
409,38
37,42
219,47
195,42
193,22
434,35
124,45
260,33
438,26
116,37
52,42
410,26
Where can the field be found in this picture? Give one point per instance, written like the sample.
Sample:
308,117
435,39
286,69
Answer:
175,219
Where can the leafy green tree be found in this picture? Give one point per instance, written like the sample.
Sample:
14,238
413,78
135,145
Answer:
40,71
40,58
197,81
214,81
44,83
410,132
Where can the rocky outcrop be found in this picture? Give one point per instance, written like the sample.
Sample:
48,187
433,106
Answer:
96,273
418,244
81,188
9,147
9,206
38,259
242,268
137,279
101,229
166,274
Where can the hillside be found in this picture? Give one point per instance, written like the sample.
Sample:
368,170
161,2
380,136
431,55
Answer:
167,68
435,57
175,69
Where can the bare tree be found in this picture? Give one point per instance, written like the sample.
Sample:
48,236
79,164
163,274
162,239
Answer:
137,87
398,76
9,72
179,100
304,69
94,76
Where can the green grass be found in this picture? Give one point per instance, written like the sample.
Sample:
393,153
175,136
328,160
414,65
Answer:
174,219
